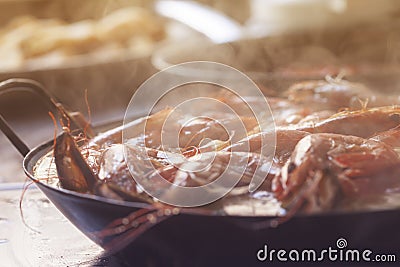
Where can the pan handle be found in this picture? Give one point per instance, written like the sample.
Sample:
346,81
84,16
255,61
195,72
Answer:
22,148
12,85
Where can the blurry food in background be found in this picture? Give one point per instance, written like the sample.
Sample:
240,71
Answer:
239,11
278,16
364,53
133,30
215,25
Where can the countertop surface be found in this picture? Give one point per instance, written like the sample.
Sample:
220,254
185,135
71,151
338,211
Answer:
46,238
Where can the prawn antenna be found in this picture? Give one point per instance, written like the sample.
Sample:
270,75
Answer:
89,112
53,118
339,77
21,199
363,103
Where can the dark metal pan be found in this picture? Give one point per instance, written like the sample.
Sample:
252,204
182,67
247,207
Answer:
212,240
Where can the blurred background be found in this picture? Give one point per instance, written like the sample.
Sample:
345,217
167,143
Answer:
108,48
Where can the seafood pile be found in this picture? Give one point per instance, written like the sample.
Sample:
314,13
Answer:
337,149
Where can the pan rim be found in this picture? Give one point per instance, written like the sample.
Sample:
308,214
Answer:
34,154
